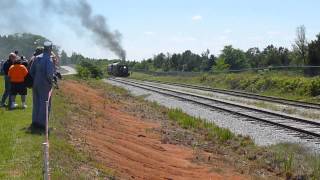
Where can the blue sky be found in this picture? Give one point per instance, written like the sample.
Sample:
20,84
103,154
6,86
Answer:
149,27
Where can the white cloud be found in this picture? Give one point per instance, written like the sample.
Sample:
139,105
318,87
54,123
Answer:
197,18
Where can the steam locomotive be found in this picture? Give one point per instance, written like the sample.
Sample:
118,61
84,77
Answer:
118,70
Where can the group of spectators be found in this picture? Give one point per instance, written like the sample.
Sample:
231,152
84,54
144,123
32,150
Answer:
37,73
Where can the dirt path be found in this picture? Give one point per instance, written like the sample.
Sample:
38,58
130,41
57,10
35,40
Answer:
128,145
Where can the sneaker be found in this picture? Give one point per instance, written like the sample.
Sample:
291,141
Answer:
3,105
13,106
24,106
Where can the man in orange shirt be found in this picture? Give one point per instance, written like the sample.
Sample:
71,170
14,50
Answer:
17,74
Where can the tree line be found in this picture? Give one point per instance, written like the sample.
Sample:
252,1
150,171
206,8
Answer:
303,53
25,43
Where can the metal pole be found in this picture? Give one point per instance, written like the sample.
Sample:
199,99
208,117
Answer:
46,146
46,175
47,120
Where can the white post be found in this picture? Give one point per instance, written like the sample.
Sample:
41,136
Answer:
46,175
47,120
46,146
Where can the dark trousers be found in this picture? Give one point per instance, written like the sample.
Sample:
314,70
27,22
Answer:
40,96
7,87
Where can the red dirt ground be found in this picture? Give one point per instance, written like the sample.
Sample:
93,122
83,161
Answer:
125,143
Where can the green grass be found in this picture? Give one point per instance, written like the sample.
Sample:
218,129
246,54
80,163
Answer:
287,159
273,83
291,159
188,122
21,152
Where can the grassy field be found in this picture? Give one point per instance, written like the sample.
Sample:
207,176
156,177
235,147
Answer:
21,152
287,85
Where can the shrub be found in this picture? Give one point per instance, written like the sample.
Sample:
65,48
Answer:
269,81
83,72
89,70
315,87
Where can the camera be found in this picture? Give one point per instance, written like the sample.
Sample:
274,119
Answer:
57,76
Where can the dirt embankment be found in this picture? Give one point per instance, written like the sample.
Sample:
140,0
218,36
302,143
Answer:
131,145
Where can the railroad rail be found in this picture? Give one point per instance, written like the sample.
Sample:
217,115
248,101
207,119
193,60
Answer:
245,95
303,126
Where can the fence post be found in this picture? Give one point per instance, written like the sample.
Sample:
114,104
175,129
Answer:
46,146
46,175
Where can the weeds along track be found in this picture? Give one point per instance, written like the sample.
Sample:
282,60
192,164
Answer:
306,128
253,96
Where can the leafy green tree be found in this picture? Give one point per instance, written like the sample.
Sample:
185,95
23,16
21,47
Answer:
221,65
314,55
166,65
271,56
284,56
236,58
158,60
295,58
190,61
87,69
174,62
207,61
143,65
25,43
254,57
301,45
64,59
77,58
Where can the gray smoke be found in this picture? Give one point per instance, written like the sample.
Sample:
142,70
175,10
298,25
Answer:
97,24
94,23
79,9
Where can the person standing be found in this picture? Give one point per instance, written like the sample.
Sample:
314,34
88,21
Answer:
42,71
17,74
24,62
5,68
37,52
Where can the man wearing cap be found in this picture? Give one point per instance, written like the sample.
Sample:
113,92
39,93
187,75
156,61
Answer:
37,52
6,67
42,71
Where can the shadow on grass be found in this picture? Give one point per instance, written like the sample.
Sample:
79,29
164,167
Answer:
34,130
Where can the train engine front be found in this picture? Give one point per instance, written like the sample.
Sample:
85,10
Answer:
118,70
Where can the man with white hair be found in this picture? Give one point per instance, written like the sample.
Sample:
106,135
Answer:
42,72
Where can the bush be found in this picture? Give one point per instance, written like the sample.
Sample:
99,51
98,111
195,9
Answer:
315,87
88,70
83,72
267,82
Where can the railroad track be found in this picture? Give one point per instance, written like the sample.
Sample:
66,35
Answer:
305,127
244,95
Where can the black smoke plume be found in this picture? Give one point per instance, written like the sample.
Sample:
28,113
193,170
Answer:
79,9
